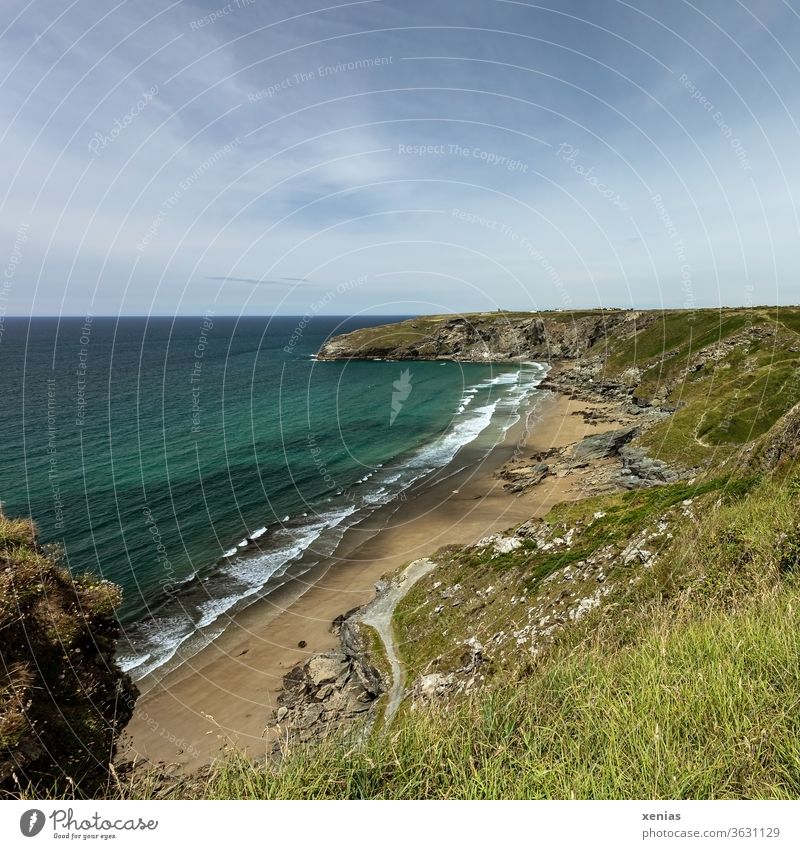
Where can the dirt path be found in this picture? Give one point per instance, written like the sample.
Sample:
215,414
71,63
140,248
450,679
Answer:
378,615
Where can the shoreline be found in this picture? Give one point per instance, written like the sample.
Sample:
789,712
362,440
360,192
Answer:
226,693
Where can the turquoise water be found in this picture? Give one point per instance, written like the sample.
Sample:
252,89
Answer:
193,460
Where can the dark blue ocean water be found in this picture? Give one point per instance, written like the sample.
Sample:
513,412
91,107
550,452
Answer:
192,460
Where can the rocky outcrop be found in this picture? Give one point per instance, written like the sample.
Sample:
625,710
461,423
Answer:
522,474
779,444
482,337
638,469
362,660
602,462
336,691
600,445
587,380
325,694
435,685
63,699
339,691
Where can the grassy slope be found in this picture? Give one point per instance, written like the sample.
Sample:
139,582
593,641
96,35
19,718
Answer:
727,400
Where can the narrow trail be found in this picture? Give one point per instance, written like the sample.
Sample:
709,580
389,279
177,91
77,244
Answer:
378,615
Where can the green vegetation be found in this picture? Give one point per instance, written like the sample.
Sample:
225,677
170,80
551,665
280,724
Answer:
706,711
435,642
63,701
730,374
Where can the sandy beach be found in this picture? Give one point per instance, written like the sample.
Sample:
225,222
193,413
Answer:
226,693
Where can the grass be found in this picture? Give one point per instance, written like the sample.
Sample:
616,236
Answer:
710,710
431,631
675,333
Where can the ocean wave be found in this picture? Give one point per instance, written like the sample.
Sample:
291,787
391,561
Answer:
156,640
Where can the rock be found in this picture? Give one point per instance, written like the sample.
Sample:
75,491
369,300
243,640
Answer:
637,464
505,545
601,445
483,542
281,713
533,528
337,701
473,654
635,555
350,639
310,716
521,477
356,650
294,679
302,644
450,591
583,607
369,676
432,685
325,669
488,337
474,644
631,376
342,618
324,691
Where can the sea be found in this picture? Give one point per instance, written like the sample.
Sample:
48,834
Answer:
198,461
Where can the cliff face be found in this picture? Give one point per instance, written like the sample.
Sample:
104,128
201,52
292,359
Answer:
483,337
720,379
63,699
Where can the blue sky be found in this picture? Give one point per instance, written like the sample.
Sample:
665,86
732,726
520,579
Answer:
397,156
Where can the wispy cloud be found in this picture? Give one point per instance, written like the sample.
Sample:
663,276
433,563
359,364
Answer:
261,281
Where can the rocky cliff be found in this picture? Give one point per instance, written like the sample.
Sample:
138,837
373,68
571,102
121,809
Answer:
486,336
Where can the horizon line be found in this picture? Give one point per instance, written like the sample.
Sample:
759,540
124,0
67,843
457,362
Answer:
93,316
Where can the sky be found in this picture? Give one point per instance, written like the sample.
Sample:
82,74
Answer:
294,157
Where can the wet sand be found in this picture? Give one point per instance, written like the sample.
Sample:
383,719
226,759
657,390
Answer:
226,693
